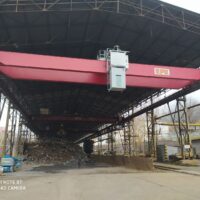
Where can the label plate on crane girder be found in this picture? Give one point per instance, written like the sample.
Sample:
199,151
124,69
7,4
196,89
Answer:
162,71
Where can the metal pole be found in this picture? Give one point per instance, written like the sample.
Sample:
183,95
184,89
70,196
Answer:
148,133
183,124
13,130
151,132
129,138
108,142
6,130
19,136
111,137
180,131
2,104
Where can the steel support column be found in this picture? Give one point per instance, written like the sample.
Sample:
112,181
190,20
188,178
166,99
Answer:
18,149
6,131
151,133
126,138
150,122
14,131
184,137
100,140
180,122
13,128
2,104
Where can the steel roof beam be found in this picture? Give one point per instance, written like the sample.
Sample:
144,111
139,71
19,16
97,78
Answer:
153,10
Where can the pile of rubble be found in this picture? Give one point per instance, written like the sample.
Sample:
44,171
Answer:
52,151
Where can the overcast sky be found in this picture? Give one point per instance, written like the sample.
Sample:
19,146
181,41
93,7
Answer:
193,5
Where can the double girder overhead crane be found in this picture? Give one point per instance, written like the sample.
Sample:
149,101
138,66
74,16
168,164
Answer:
23,66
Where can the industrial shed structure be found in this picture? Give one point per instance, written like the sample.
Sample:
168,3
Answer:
155,33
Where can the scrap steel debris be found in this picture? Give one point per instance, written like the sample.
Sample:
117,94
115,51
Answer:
55,151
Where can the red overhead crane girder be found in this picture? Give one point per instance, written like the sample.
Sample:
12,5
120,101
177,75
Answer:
73,70
72,119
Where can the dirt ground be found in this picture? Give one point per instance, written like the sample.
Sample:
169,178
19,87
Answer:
99,183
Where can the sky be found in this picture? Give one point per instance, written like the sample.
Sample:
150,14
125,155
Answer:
193,5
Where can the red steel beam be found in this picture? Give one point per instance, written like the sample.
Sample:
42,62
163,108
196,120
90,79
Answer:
50,118
73,70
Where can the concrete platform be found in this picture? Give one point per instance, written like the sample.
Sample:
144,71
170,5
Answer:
103,183
192,170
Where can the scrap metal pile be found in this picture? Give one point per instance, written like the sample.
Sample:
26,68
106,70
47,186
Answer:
54,151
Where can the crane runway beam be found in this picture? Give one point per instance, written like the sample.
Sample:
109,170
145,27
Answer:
161,102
